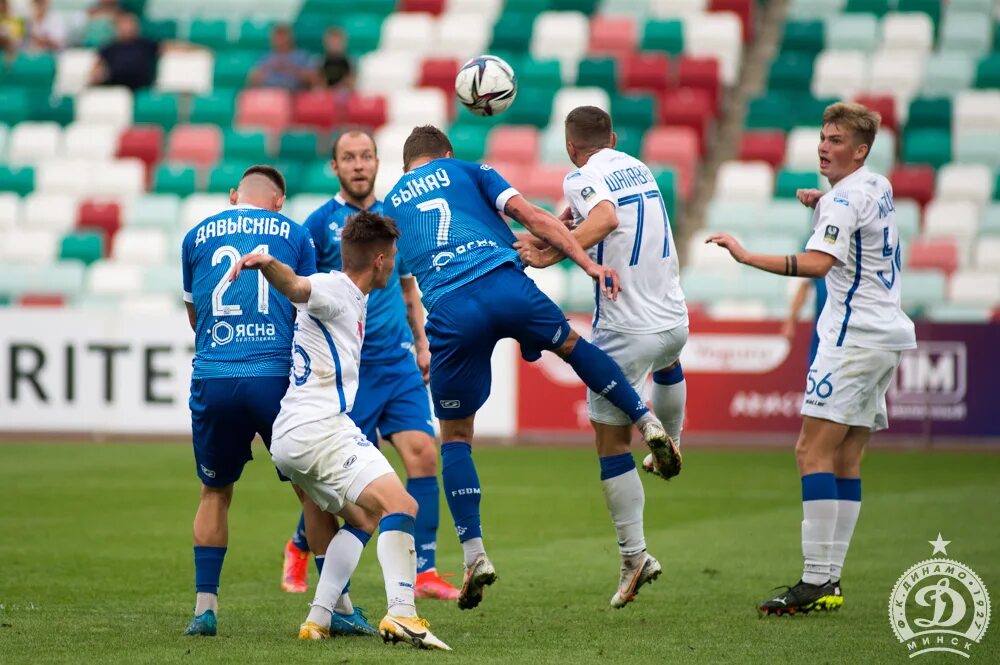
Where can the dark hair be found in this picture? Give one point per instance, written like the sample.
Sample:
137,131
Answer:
269,172
588,128
366,234
351,132
425,141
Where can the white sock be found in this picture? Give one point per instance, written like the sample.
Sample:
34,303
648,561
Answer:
818,524
847,518
319,615
342,558
397,554
471,550
344,605
206,601
668,405
625,499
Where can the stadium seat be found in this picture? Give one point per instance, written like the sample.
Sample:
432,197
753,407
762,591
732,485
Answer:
418,106
439,73
185,71
733,216
142,142
924,288
49,211
974,288
52,108
17,179
966,32
987,254
560,35
208,32
469,141
951,219
786,217
14,106
929,113
409,32
688,107
744,10
200,145
673,146
964,182
663,35
264,108
791,71
801,148
231,68
197,207
841,74
224,176
910,32
298,146
744,181
533,107
154,210
316,109
110,278
634,111
645,72
977,147
763,146
913,182
988,72
140,247
513,144
215,108
789,182
107,106
69,176
461,35
612,35
386,71
31,69
10,211
568,98
551,282
33,142
927,146
100,214
947,73
852,32
124,178
977,110
718,35
156,109
30,247
700,73
367,111
83,246
255,34
89,141
896,73
934,253
73,69
907,218
178,179
886,107
545,182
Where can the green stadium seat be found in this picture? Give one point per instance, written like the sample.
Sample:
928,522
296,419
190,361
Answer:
162,29
988,71
155,108
216,108
318,178
212,33
309,28
247,145
978,147
17,179
511,32
791,71
929,113
364,31
293,172
804,37
663,35
533,106
223,175
877,7
788,182
598,72
532,7
539,73
629,139
770,111
255,35
469,141
85,246
853,32
155,211
98,32
32,69
14,105
300,146
232,68
927,146
964,32
587,7
47,107
635,110
161,279
666,180
175,179
947,73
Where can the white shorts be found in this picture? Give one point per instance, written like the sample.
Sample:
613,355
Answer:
637,355
847,385
331,460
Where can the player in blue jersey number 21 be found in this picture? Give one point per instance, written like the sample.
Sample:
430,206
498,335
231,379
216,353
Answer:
454,240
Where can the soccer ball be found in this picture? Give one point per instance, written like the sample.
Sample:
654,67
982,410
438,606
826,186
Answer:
486,85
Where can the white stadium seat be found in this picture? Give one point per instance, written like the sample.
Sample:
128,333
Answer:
10,211
907,31
411,32
185,71
802,148
390,140
955,219
675,8
551,282
853,32
718,34
975,288
154,210
109,106
907,218
702,255
418,106
143,247
388,175
560,35
199,206
302,205
85,140
30,247
987,254
883,154
840,74
488,9
733,216
67,176
977,110
73,68
567,99
386,71
33,142
119,177
896,73
111,278
964,182
947,73
744,181
50,211
461,36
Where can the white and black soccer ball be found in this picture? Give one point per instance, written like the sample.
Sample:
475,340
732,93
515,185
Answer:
486,85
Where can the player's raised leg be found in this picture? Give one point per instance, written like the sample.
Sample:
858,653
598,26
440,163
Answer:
669,400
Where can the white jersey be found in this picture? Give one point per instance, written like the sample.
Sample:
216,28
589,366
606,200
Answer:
641,249
856,223
326,353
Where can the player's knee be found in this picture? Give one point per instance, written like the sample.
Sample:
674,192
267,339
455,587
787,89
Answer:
221,495
401,502
421,456
567,347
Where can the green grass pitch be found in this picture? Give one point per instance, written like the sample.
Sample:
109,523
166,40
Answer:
95,561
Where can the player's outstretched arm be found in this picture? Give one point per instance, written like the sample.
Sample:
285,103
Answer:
601,221
281,276
804,264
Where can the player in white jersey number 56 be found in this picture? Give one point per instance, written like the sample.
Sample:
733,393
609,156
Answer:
862,332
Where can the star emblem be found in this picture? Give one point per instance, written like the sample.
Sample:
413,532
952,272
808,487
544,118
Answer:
939,545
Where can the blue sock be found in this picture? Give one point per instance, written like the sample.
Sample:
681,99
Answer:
299,537
616,465
208,568
605,377
461,488
425,491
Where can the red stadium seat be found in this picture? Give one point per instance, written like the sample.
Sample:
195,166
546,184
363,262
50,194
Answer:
200,145
701,73
316,109
545,182
742,8
518,175
766,146
673,146
366,110
100,215
434,7
613,35
936,253
264,108
645,71
913,182
41,300
144,142
688,107
510,143
439,73
885,105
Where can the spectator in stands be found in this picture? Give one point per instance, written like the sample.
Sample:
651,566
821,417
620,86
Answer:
285,66
128,60
107,9
46,29
336,71
11,31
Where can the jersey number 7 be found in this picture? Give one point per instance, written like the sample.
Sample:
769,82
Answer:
640,201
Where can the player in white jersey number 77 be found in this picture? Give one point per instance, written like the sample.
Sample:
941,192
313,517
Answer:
335,469
862,333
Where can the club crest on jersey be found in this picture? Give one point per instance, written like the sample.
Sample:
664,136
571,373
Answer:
588,193
831,234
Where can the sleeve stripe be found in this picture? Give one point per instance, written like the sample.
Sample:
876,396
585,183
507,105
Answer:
504,196
188,297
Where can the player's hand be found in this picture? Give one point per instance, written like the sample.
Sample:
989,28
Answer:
808,197
726,241
566,217
788,330
536,257
528,238
424,363
250,262
607,278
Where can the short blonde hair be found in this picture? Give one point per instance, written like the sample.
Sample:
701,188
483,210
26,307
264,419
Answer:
861,120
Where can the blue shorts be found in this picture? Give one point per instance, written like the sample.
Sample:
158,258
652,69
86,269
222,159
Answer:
225,416
391,398
466,324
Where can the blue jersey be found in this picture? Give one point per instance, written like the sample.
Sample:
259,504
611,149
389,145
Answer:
243,328
452,232
387,335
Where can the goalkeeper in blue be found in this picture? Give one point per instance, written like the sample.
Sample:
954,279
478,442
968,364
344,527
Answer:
455,242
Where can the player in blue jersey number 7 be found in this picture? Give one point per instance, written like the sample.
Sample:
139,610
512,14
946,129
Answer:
454,240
